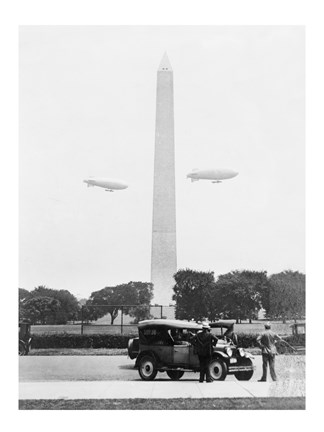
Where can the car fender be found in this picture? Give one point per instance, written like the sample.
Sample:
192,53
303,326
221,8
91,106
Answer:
144,353
221,354
130,349
248,355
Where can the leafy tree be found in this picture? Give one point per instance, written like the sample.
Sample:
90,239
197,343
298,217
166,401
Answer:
69,306
111,299
144,293
193,294
239,294
23,297
23,294
287,295
41,310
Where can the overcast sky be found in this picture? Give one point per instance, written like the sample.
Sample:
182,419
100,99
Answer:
87,108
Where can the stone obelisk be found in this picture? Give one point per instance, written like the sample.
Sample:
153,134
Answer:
164,251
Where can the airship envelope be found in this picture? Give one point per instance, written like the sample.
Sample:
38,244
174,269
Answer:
109,185
215,175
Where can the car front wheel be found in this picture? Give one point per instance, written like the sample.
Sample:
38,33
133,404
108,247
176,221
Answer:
147,368
175,375
217,369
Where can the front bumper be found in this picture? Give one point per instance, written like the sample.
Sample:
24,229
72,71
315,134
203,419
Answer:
236,368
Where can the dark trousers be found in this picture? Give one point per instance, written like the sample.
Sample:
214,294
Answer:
267,358
204,370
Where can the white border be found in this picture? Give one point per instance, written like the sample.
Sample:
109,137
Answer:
234,12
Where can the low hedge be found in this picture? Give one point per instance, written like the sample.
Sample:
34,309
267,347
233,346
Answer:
65,340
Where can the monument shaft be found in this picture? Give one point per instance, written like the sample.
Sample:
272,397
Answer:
164,253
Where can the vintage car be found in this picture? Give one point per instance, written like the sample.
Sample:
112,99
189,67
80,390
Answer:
24,338
164,345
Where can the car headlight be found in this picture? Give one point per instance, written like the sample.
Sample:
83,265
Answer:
229,351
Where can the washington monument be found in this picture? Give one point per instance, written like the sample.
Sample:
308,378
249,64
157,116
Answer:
164,249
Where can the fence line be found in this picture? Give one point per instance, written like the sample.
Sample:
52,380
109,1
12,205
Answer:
153,311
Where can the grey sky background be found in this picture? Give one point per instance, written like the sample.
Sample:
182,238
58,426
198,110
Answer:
87,107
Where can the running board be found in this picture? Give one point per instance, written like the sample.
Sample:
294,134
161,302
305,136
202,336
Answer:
165,369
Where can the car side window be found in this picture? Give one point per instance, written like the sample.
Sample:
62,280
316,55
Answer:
155,336
181,336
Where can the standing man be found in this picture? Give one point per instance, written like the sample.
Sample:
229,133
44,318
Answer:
203,343
231,335
267,344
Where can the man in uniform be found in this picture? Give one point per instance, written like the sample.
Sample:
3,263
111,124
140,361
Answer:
267,344
203,343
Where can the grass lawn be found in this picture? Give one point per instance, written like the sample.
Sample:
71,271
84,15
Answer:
95,351
293,403
244,327
77,351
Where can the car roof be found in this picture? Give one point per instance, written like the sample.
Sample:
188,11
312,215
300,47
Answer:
222,323
181,324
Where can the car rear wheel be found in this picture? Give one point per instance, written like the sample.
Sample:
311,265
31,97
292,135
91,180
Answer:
175,375
147,368
245,375
217,369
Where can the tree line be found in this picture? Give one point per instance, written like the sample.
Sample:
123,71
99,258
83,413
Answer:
49,306
239,295
197,295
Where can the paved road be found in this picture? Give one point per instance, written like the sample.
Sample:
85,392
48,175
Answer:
121,368
93,368
91,377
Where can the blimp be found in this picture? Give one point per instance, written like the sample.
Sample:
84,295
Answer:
215,175
110,185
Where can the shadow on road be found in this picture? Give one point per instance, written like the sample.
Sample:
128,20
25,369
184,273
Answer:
127,367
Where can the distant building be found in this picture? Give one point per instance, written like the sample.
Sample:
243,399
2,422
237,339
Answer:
261,314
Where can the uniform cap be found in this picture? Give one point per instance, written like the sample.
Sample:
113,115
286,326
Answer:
267,325
205,325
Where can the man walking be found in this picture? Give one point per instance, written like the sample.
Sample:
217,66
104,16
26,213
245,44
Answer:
267,344
203,343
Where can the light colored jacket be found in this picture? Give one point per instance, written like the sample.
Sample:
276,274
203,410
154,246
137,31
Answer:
267,342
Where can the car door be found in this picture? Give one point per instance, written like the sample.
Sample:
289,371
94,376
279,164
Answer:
163,352
181,355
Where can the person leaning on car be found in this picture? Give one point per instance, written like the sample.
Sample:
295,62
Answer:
231,335
203,344
177,337
267,342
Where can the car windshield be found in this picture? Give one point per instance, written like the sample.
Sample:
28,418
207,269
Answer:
218,331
